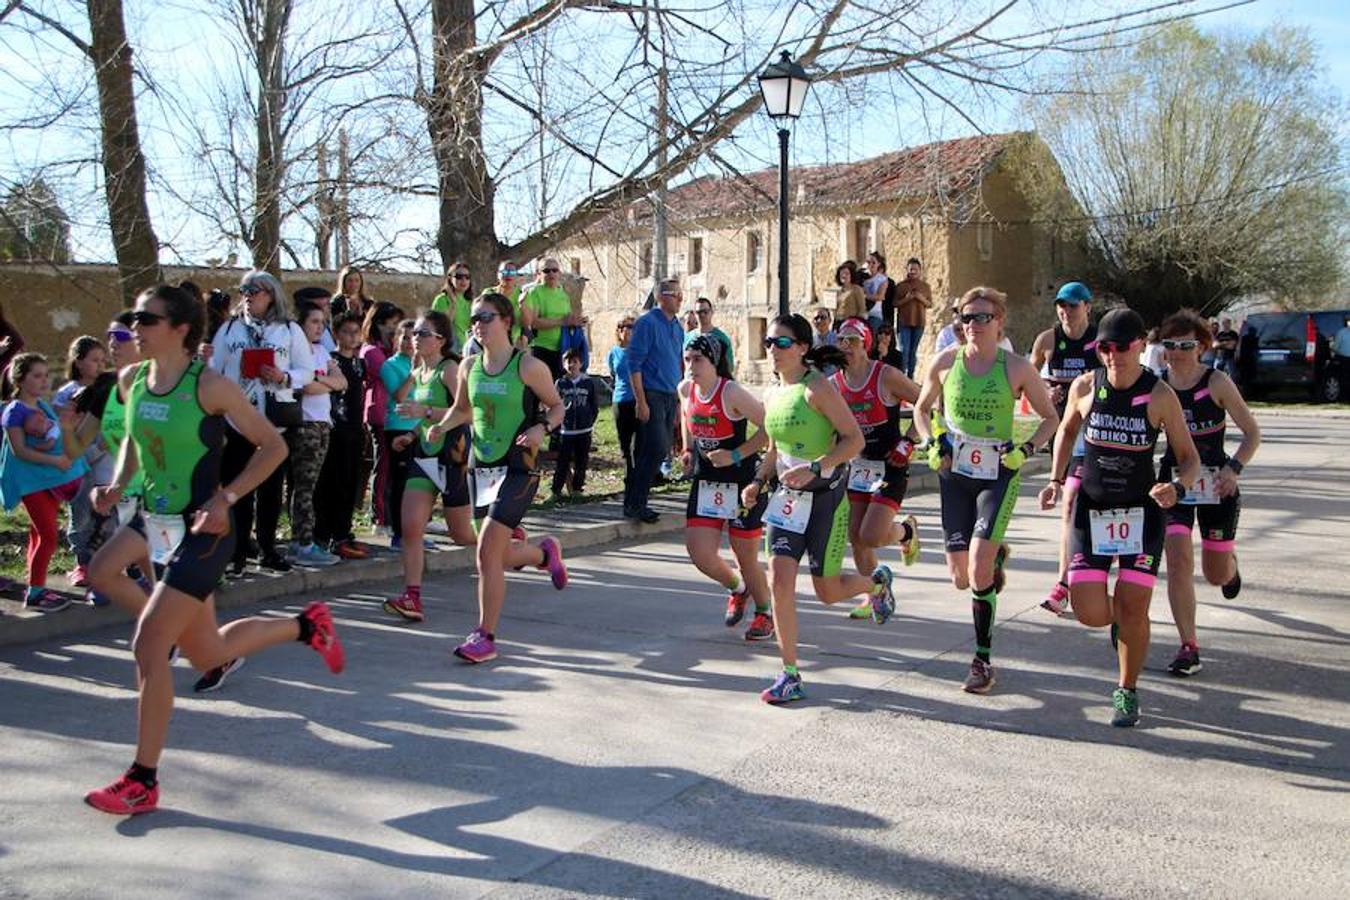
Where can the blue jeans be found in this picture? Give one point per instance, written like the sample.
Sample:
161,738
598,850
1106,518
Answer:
907,342
654,437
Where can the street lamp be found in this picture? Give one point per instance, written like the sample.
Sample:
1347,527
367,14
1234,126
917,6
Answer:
784,85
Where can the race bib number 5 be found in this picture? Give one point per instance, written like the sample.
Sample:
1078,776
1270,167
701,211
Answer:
976,459
1117,532
487,484
1205,490
789,510
718,500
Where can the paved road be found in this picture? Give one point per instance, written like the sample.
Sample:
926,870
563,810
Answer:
618,748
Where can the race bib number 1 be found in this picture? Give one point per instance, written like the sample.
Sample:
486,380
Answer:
976,459
866,475
164,534
1117,532
1205,490
789,510
487,484
718,500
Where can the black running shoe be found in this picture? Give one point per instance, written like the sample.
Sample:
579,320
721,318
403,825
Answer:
214,680
1234,587
1187,661
275,562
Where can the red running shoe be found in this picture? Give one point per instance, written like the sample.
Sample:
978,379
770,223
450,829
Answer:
405,607
124,797
736,608
553,561
325,640
351,550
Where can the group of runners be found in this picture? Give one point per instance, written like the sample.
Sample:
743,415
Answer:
825,469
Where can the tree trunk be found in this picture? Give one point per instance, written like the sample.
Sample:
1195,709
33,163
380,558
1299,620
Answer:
467,227
265,237
133,237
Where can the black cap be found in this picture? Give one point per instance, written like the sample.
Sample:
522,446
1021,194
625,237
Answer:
1121,326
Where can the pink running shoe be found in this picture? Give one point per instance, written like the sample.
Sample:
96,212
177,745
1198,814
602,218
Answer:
407,608
325,640
477,648
124,797
553,561
1057,601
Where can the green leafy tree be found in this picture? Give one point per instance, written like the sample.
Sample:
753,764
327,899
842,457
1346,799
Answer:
32,224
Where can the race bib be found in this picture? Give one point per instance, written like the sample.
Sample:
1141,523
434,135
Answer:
976,459
127,508
1205,491
431,467
789,510
487,484
164,534
866,475
1117,532
717,500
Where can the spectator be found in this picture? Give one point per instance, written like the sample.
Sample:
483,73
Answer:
39,479
397,428
1152,355
508,285
851,301
655,367
545,310
217,311
1226,349
915,298
580,409
321,297
1249,355
877,288
269,357
11,345
885,349
85,361
689,319
824,335
377,345
351,293
308,441
337,494
703,312
625,404
455,300
1210,357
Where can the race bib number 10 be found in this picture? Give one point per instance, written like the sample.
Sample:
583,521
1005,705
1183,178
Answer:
1117,532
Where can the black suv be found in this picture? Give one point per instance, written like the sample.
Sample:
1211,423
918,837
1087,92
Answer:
1294,351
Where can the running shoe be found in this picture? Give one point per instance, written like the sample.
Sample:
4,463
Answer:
477,648
1233,587
1057,601
46,601
862,611
1125,704
274,561
981,677
405,607
910,549
784,689
325,641
883,598
79,577
350,550
214,680
313,555
124,797
1001,560
736,608
1187,661
553,562
761,627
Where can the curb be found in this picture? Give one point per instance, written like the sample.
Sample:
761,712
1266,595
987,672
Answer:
605,528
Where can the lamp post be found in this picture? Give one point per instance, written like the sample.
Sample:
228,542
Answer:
784,85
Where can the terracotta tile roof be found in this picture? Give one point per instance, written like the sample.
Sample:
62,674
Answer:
944,167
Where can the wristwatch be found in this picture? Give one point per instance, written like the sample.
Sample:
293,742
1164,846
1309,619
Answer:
1179,488
1234,465
815,467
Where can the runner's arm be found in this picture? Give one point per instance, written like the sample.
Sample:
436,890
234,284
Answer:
1230,399
1165,409
539,379
899,385
932,389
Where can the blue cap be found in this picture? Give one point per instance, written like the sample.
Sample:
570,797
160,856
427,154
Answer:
1074,292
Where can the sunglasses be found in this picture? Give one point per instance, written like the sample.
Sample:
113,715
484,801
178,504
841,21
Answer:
1180,345
251,290
426,333
551,271
981,318
461,276
146,318
1115,346
820,318
120,335
484,317
782,342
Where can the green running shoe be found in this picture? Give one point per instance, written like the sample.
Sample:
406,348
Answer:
1126,705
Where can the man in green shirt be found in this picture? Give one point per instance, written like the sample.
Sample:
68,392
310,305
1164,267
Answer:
545,309
704,310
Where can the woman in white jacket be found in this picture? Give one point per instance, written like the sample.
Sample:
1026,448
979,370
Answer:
263,351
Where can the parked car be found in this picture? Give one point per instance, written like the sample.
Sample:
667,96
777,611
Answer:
1294,351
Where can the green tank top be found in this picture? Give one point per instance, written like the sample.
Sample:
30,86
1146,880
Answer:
979,406
796,428
113,427
429,389
502,407
179,444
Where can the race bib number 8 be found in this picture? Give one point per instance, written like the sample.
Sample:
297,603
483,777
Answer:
1117,532
976,459
487,484
164,534
789,510
1205,490
717,500
866,475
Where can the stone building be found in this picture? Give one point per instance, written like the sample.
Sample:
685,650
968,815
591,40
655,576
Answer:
956,205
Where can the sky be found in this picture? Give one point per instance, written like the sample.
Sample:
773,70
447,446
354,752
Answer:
172,35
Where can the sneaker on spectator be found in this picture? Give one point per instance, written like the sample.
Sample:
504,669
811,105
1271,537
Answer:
350,550
79,577
314,555
46,601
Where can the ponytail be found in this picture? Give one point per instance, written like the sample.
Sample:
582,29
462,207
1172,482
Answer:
825,355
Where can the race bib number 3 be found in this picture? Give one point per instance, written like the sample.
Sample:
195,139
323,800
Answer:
976,459
1117,532
866,475
1205,490
487,484
164,534
717,500
789,510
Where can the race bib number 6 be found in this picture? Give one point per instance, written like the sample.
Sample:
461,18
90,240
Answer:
976,459
1117,532
789,510
718,500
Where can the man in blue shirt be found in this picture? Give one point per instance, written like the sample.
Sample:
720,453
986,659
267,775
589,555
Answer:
655,367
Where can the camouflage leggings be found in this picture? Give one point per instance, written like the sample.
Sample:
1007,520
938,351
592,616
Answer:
309,445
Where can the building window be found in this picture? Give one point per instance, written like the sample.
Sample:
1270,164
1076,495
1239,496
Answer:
862,239
984,240
754,252
645,259
574,263
695,255
758,328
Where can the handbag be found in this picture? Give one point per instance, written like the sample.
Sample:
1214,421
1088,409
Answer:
281,412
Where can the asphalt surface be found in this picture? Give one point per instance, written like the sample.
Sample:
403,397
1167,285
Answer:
618,747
